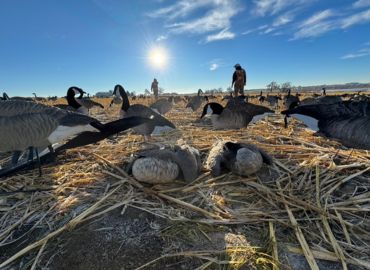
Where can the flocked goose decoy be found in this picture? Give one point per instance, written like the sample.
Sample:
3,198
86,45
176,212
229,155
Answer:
239,158
347,121
166,164
235,114
26,124
157,126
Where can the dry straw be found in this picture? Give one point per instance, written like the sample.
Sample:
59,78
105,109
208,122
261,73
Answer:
317,193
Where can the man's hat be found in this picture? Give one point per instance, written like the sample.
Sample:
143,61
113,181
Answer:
237,65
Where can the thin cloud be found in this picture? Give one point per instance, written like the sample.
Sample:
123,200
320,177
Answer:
273,7
354,55
213,67
223,35
361,4
316,25
359,18
283,19
365,51
161,37
218,18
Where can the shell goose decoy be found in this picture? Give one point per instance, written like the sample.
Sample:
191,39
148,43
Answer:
162,106
194,103
239,158
166,164
158,126
347,121
26,124
235,114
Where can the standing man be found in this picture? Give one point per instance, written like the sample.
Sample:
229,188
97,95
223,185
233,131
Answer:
239,80
154,88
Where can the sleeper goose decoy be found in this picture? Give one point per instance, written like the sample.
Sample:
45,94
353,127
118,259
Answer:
161,106
195,102
156,127
347,121
234,115
166,164
239,158
26,124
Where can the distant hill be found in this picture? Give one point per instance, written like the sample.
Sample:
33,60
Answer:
352,86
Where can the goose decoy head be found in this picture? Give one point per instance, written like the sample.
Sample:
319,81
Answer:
120,90
212,108
75,91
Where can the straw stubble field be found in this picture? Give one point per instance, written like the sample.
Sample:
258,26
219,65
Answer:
307,211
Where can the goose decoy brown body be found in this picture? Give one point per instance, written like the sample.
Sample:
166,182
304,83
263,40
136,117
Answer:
239,158
26,124
235,114
347,121
159,124
166,164
194,103
162,106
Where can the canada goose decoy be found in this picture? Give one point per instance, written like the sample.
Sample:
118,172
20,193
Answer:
239,158
176,99
166,164
347,121
161,106
159,124
36,98
26,124
273,101
320,100
4,97
117,96
290,101
227,97
195,102
80,105
234,115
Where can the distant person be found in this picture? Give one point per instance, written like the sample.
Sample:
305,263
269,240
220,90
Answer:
154,88
239,80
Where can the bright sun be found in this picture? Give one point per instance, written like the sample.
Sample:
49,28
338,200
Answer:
158,57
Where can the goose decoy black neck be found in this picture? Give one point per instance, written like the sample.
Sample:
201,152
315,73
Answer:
212,107
125,101
71,93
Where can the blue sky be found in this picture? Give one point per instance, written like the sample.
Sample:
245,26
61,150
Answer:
49,45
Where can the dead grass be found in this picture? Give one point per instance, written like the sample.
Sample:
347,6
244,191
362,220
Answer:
315,197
